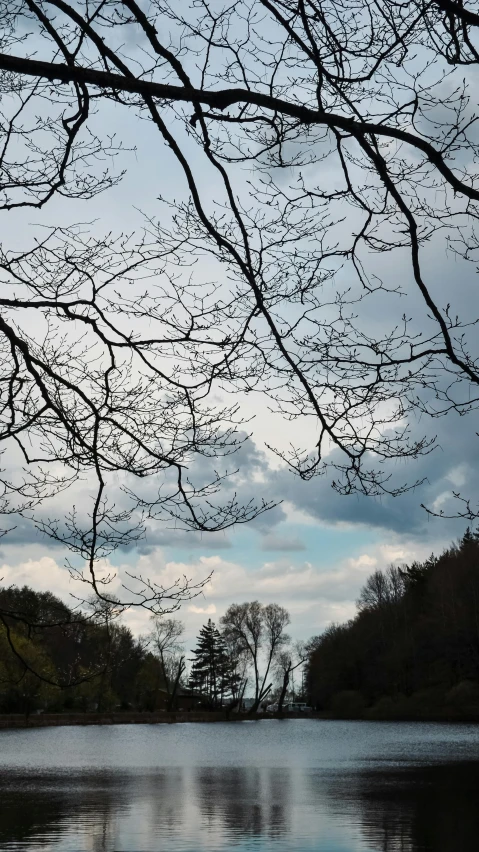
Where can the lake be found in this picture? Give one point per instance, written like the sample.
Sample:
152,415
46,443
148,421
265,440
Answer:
266,786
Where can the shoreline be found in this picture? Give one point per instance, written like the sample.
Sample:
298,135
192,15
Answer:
47,720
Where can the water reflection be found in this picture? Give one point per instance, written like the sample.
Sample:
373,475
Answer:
245,802
424,808
44,809
107,811
385,807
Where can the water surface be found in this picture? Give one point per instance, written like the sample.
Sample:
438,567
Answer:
252,786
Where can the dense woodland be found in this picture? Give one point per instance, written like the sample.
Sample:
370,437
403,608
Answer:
412,649
52,657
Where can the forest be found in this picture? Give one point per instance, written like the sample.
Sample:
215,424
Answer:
412,651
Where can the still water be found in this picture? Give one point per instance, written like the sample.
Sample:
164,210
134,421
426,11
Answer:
268,786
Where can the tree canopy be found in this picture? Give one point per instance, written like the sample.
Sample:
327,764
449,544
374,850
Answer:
325,157
413,648
213,670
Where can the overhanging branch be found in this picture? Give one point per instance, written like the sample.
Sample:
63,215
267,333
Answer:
225,98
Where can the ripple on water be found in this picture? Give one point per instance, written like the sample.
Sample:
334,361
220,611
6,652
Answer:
271,785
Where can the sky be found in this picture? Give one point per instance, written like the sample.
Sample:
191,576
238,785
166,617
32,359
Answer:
314,550
311,553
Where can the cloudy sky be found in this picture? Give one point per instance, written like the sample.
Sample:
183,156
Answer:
311,553
314,550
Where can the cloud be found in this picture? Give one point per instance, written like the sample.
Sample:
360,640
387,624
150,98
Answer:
43,574
282,543
316,591
453,465
203,610
162,536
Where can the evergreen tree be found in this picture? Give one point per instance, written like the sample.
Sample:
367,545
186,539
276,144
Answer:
213,671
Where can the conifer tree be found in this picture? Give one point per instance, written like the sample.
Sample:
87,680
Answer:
213,672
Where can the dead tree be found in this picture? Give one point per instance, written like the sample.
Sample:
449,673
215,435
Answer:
287,662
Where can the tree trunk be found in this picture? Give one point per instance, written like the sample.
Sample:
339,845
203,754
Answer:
284,688
181,668
260,698
165,676
237,702
262,693
157,689
257,693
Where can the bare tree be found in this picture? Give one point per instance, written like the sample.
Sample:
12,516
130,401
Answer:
275,619
243,626
255,629
166,639
381,588
94,400
357,129
287,661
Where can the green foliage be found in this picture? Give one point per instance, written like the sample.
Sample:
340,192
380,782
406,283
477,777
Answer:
20,687
45,647
413,648
60,659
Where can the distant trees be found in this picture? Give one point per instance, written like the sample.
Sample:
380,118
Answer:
251,638
96,656
19,687
413,645
70,661
415,637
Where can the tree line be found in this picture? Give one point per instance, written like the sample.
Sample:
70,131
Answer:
80,661
413,647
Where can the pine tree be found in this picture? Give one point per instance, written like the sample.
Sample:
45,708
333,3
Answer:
203,670
213,673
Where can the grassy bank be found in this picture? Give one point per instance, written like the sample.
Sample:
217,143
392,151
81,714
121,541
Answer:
390,714
45,720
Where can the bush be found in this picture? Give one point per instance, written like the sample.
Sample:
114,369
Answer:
348,704
385,708
464,696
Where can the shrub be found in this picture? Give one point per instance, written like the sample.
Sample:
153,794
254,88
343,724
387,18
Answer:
348,704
